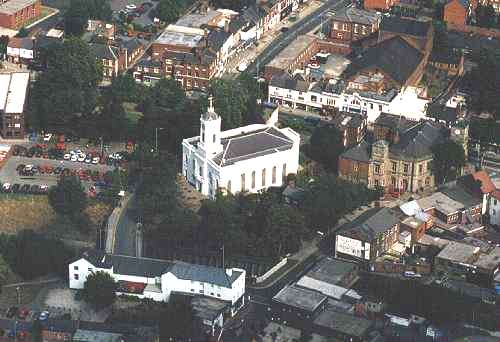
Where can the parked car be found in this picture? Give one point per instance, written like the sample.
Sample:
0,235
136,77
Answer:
44,315
35,189
23,313
6,187
47,137
411,274
15,188
25,189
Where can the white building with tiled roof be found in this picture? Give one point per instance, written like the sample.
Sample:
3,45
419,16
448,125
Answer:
244,159
159,279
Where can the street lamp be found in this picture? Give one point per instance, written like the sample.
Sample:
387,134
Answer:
156,137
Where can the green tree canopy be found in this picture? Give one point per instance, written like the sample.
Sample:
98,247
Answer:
23,32
485,15
170,10
67,91
99,289
449,158
80,11
68,196
232,100
326,145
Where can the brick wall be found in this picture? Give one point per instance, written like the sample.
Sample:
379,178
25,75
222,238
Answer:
353,170
455,13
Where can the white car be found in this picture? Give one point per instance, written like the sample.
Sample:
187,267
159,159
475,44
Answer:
88,160
74,158
67,156
6,186
81,157
47,137
95,160
131,7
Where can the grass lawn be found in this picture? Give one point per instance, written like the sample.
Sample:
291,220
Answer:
22,212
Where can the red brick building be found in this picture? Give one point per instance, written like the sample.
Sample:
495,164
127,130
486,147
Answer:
383,5
457,12
14,14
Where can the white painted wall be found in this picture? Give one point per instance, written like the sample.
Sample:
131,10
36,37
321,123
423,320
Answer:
349,246
494,210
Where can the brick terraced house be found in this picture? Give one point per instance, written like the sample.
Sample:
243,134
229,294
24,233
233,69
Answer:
14,14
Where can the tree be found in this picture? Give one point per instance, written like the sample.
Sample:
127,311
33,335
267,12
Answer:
67,91
165,94
170,10
485,15
179,323
36,331
23,32
326,146
68,196
99,289
232,101
449,158
80,11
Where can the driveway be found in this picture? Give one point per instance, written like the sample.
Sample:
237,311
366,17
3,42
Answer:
8,173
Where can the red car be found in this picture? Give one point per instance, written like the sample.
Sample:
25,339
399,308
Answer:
23,313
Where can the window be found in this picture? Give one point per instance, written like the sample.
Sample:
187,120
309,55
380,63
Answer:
263,177
380,107
356,167
213,138
377,183
394,166
75,268
371,105
90,269
495,202
218,294
253,179
274,175
76,276
229,186
201,291
243,187
201,171
420,169
377,169
284,172
314,98
405,168
393,181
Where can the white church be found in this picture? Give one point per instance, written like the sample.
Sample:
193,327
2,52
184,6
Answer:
248,158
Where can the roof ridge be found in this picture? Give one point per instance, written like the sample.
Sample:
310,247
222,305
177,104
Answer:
288,140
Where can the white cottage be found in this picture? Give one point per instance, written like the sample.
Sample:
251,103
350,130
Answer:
249,158
158,279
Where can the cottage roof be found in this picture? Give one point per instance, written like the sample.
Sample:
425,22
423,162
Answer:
286,81
405,26
369,224
103,51
205,274
417,141
21,43
361,152
252,144
387,56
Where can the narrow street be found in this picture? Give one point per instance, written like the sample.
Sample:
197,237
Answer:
126,232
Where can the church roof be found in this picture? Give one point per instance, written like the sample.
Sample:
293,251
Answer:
252,144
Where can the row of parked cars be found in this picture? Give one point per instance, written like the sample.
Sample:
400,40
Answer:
48,170
92,157
25,313
34,189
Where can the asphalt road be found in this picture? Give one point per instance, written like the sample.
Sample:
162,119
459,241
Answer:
302,27
126,239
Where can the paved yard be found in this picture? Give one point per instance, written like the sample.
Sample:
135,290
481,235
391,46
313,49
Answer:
8,173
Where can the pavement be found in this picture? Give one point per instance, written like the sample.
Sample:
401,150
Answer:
304,26
8,173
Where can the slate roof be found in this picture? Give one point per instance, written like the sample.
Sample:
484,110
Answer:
458,194
331,270
150,268
405,26
132,45
344,323
205,274
361,152
442,112
21,43
369,224
103,51
344,120
388,56
417,141
394,121
356,15
253,144
286,81
300,298
217,38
